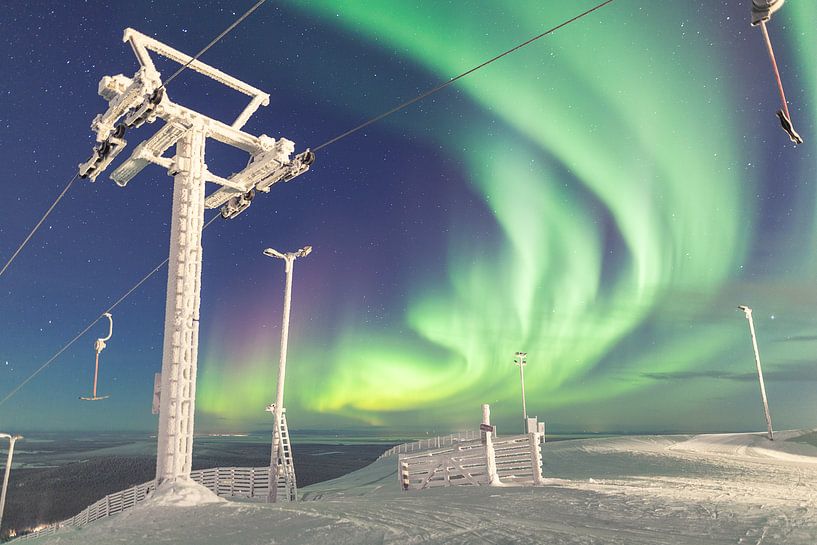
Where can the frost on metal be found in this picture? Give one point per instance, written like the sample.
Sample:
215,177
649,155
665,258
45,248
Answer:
141,99
487,460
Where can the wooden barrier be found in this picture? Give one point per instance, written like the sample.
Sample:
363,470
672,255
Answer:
519,459
248,482
433,442
456,459
486,460
461,464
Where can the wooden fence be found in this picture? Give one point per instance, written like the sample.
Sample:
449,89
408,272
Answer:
431,443
464,463
456,459
247,482
518,458
486,460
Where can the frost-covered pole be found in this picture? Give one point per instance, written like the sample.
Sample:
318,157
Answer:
177,402
487,432
748,312
12,439
521,360
278,409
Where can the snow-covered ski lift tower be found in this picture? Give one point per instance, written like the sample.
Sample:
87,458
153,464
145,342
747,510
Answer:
142,98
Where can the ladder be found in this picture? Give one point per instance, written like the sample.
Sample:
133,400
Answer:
285,482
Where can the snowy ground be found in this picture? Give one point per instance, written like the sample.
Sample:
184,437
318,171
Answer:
651,490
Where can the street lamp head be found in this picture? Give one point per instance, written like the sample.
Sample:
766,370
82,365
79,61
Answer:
746,310
303,252
270,252
520,358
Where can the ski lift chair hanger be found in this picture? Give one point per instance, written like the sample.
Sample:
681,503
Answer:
762,11
99,346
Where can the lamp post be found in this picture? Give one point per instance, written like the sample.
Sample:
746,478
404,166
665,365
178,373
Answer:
748,312
521,360
12,439
278,409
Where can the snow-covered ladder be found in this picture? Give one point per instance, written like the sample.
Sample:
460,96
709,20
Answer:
286,473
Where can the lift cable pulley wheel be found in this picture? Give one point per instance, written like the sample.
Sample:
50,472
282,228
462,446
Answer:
99,346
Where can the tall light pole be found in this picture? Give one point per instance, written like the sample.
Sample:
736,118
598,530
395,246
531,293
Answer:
748,312
521,360
12,439
278,408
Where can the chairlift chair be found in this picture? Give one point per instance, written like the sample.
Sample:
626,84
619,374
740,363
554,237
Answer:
99,346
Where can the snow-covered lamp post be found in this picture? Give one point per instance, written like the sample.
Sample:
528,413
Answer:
278,408
12,439
748,312
521,360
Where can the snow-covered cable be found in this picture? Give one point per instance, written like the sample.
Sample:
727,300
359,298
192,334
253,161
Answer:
455,78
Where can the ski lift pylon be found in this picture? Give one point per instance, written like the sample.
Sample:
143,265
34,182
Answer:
99,346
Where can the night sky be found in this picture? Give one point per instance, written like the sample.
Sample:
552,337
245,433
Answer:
602,199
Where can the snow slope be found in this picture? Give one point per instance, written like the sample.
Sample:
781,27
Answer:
656,490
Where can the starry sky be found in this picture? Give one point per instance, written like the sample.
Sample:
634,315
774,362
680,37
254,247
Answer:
602,199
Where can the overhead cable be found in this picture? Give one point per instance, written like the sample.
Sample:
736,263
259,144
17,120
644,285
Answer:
214,41
39,223
65,347
164,85
455,78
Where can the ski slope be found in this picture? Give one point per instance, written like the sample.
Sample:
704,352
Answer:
651,490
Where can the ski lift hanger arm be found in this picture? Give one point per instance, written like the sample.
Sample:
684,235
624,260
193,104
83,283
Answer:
110,326
141,44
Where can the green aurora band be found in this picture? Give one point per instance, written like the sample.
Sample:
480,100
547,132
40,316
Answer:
625,203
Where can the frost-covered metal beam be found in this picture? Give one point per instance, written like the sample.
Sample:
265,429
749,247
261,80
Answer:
149,151
141,44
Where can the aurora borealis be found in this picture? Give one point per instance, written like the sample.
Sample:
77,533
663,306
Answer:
602,199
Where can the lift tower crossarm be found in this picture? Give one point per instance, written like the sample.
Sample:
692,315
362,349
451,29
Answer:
142,99
141,44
